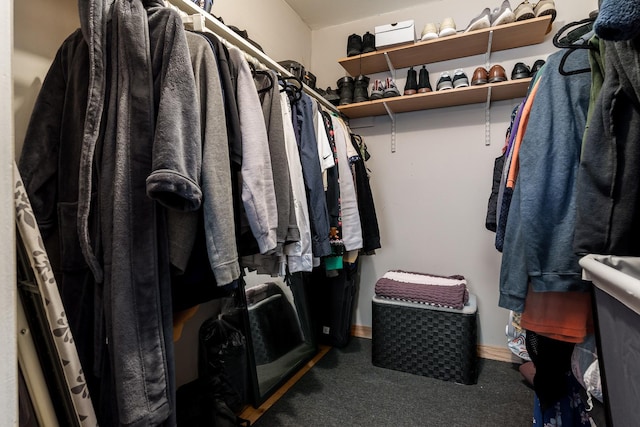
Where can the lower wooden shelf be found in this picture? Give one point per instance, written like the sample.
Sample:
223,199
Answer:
447,98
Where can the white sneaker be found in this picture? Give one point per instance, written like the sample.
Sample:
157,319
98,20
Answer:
481,21
502,15
447,28
429,32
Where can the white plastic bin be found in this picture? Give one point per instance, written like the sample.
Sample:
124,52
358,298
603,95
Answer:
617,302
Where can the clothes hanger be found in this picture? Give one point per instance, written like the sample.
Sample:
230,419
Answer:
569,42
255,72
294,90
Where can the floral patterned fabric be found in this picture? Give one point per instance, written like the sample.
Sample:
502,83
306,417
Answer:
567,412
52,302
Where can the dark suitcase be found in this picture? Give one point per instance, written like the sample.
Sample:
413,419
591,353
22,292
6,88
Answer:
332,300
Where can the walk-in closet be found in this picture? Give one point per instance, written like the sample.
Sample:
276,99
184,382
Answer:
286,212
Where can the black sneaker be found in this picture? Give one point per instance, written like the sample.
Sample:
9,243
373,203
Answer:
444,82
460,79
368,42
354,45
520,71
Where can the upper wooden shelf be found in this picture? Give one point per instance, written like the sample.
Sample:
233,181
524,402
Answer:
444,98
508,36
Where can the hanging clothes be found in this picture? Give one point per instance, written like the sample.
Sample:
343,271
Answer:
299,254
258,194
98,206
538,238
608,199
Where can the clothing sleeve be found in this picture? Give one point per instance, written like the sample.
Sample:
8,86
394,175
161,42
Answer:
216,174
177,147
38,162
258,194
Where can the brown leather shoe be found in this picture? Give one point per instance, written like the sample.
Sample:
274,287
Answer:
497,74
480,76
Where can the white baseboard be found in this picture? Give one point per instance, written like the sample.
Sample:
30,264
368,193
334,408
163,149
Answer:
502,354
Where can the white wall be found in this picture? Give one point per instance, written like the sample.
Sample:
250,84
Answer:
270,23
431,195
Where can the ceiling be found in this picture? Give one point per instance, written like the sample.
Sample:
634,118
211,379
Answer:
326,13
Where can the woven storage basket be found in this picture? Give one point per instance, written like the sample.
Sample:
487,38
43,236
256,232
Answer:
425,340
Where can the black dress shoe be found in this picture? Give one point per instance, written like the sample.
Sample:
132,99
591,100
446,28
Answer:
520,71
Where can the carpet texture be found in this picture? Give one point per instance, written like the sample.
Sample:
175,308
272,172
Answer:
345,389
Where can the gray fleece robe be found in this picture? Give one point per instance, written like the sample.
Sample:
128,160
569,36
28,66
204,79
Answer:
116,122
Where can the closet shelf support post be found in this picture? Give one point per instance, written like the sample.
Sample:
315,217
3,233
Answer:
392,116
488,54
487,119
392,69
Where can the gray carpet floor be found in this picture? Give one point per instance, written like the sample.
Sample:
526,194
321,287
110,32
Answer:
345,389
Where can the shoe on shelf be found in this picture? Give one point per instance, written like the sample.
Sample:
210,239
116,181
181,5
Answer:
411,85
332,96
354,45
345,86
460,79
424,85
502,15
447,28
545,7
429,32
368,42
520,71
480,76
390,89
360,89
377,89
444,82
524,11
536,67
481,21
497,74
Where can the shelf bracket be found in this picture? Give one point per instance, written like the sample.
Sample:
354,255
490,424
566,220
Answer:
390,65
195,21
392,116
487,119
488,54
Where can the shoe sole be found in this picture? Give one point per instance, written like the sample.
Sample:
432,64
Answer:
547,9
390,94
445,86
353,53
497,79
424,90
525,15
360,99
429,36
447,32
520,76
375,96
410,92
346,101
478,82
460,83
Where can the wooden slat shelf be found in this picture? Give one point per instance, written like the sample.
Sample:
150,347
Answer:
447,98
508,36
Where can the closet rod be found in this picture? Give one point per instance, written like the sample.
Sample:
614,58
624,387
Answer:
221,30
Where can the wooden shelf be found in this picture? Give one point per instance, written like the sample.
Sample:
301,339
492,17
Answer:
508,36
446,98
